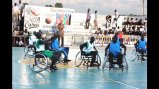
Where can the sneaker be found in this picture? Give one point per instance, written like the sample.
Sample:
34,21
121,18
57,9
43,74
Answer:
111,66
61,46
53,68
65,61
92,65
142,59
120,66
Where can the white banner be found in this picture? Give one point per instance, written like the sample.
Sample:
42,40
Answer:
43,18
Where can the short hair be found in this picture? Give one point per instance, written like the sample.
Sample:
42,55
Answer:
114,38
38,35
92,38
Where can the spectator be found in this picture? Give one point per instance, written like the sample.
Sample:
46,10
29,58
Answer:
136,22
21,9
108,21
120,35
145,22
114,25
140,22
95,21
116,15
26,34
61,29
15,31
22,17
124,30
21,42
124,22
88,18
15,13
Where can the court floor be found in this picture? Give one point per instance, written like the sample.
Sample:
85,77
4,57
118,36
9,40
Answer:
71,77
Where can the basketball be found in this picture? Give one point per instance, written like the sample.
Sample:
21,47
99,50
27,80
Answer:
48,20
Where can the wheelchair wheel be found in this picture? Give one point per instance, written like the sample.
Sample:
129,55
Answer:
29,50
78,59
105,62
134,55
98,60
125,64
38,63
144,56
61,58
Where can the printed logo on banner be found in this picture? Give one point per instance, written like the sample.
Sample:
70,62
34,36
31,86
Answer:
43,18
32,22
64,17
31,11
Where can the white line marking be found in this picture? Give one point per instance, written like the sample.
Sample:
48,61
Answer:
123,83
117,81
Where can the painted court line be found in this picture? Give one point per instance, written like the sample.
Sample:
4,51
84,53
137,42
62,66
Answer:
116,81
123,83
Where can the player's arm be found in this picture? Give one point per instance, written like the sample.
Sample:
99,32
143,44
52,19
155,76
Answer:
106,48
123,46
136,43
95,48
83,45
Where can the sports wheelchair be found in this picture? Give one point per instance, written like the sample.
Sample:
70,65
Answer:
136,55
29,49
39,62
86,59
106,63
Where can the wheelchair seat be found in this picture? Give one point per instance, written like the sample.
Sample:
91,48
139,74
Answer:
106,63
137,55
115,59
85,59
88,56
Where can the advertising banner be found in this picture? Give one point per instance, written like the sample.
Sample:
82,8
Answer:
44,18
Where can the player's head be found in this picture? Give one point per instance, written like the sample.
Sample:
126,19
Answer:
34,33
142,37
114,39
38,35
92,39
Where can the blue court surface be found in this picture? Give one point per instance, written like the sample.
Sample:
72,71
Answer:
70,77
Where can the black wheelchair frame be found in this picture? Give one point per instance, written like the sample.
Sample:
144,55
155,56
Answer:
136,55
37,61
106,63
86,60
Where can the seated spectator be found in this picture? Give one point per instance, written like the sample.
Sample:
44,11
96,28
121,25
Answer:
21,44
120,35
